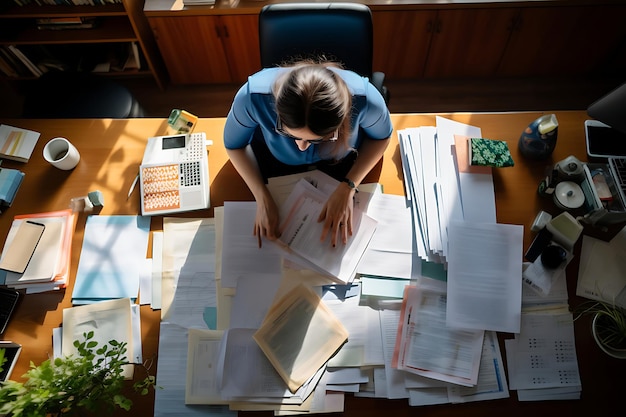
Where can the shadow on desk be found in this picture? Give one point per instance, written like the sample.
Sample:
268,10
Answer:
33,309
227,185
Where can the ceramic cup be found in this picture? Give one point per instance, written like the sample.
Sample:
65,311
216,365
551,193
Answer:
60,153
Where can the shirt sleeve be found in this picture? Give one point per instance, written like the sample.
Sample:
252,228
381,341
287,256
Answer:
241,121
375,120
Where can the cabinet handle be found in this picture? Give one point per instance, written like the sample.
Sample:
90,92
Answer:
218,32
438,26
429,26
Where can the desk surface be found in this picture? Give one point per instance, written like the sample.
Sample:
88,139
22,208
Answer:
111,151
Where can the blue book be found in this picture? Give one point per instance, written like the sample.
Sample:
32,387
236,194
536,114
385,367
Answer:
10,181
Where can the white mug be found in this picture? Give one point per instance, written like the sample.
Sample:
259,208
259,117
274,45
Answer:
60,153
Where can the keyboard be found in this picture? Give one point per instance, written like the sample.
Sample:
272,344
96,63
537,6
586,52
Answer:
8,301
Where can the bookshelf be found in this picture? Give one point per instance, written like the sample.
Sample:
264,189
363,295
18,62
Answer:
117,27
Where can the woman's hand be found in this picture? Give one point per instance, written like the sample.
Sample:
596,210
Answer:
266,221
337,215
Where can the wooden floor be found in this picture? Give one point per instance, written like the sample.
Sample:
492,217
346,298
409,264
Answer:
423,96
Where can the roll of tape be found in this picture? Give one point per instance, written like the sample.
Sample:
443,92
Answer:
568,195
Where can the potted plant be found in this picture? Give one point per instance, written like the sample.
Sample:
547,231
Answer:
608,326
90,382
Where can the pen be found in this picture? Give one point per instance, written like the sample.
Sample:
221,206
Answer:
258,237
132,186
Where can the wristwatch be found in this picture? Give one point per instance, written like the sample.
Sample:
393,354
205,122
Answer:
350,184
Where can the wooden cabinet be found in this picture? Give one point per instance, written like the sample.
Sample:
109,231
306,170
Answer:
468,42
413,39
401,42
500,41
566,41
118,25
208,49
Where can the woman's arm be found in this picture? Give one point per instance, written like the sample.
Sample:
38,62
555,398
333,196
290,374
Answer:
337,212
266,222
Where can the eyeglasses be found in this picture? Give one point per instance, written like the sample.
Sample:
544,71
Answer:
279,129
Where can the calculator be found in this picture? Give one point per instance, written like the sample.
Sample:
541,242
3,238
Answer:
173,176
8,301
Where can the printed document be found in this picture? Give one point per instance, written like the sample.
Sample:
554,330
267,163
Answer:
426,346
300,235
485,276
299,335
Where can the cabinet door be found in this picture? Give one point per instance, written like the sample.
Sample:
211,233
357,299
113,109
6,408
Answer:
468,42
240,37
192,49
564,41
401,40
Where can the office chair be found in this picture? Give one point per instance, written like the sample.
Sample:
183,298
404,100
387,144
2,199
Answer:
341,32
79,95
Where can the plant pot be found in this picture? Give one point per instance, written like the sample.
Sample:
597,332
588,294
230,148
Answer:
596,329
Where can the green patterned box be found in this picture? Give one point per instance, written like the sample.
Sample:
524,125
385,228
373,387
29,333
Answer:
489,152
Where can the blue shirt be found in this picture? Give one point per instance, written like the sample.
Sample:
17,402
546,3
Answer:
253,107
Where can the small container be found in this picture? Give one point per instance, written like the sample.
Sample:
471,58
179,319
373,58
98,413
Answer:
538,140
568,196
181,121
570,169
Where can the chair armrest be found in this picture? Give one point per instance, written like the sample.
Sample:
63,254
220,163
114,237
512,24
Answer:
378,79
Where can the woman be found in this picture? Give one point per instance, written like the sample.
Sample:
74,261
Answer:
307,116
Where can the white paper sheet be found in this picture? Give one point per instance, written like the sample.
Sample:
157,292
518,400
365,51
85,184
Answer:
112,255
241,255
543,355
485,276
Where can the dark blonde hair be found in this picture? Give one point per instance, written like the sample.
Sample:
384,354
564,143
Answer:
311,95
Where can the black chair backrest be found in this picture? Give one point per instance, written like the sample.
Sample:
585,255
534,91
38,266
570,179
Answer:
340,32
79,95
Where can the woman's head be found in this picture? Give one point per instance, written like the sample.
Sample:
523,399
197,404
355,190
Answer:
311,97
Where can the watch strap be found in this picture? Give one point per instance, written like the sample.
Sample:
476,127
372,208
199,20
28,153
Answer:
350,183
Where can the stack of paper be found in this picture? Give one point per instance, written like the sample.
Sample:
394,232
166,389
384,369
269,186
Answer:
441,185
299,335
49,265
426,346
112,258
109,320
17,143
602,271
301,232
541,360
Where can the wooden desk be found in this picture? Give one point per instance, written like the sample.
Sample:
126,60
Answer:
111,151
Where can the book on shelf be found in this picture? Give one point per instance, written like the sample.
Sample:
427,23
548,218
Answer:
17,143
6,68
18,66
65,2
34,69
198,2
82,23
125,57
64,20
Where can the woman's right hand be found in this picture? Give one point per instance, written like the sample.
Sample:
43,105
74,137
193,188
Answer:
266,221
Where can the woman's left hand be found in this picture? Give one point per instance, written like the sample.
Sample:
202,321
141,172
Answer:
337,215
